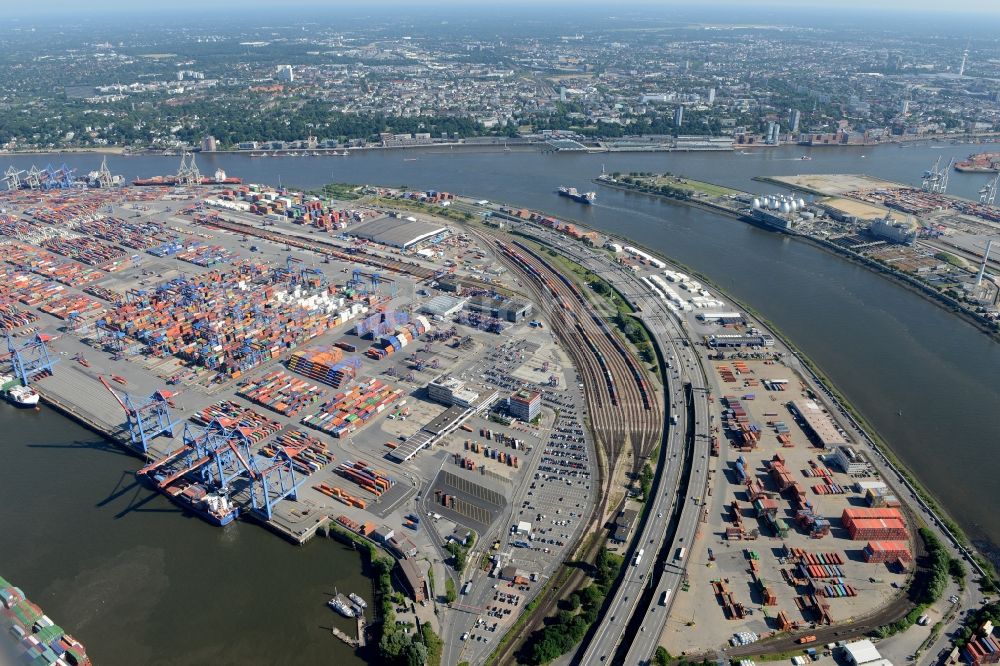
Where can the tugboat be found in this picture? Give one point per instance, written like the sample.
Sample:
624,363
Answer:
580,197
23,396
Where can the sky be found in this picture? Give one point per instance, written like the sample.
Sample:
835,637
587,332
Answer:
57,7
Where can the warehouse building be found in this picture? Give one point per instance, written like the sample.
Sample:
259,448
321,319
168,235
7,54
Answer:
400,232
737,340
442,306
509,310
864,653
818,424
412,579
525,405
721,317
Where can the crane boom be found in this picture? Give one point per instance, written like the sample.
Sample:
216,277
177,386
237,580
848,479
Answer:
112,392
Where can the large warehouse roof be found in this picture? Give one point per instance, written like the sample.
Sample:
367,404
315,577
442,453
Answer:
819,422
400,232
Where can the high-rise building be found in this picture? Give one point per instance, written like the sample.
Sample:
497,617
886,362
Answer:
773,133
711,96
904,107
795,117
525,404
562,93
209,144
678,116
285,73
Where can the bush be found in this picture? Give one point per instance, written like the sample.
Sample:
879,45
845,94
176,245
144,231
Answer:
449,590
601,287
661,657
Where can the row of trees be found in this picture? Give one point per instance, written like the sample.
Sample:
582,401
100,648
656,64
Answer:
577,612
928,583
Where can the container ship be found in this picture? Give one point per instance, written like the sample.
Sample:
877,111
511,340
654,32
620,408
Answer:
581,197
22,396
215,508
31,635
220,178
980,163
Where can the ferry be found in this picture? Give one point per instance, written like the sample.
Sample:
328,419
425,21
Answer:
580,197
338,604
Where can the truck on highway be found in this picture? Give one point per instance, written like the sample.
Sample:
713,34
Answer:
638,557
665,596
467,587
673,419
679,555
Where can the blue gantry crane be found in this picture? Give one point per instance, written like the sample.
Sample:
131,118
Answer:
31,358
146,419
218,457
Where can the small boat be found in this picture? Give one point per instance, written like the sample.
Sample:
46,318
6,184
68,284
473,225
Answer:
805,157
358,601
82,361
409,159
118,378
23,396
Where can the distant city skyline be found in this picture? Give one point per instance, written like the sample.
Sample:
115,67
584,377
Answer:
56,7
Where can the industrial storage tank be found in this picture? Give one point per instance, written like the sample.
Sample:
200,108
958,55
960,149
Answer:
756,203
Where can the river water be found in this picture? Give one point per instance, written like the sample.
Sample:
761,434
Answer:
145,581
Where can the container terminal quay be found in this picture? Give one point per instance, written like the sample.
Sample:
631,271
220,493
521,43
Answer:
421,370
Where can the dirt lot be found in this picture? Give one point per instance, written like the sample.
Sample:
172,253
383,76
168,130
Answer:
835,183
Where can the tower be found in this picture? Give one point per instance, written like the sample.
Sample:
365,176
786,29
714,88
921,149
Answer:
986,257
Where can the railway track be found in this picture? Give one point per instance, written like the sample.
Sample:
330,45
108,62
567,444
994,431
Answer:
622,408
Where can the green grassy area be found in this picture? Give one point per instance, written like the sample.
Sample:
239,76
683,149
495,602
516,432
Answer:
339,191
672,186
952,259
446,212
709,189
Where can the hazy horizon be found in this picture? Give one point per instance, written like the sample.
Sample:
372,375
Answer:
56,8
